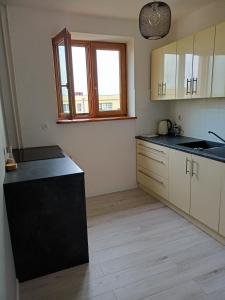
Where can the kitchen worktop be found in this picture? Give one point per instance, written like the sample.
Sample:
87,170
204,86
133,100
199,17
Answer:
45,167
217,153
37,153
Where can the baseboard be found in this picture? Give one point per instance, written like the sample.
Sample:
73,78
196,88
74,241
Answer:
198,224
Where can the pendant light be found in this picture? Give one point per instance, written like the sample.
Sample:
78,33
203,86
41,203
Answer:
155,20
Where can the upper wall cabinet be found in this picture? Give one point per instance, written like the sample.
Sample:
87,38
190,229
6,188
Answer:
203,63
192,68
163,71
156,74
185,48
218,80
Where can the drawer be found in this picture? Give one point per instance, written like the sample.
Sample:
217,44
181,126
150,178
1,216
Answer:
153,182
153,162
152,148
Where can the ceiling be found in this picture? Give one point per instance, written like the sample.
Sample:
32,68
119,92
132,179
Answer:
128,9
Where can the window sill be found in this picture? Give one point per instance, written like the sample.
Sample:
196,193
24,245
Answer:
94,120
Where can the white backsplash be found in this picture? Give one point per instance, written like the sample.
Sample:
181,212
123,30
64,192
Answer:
197,117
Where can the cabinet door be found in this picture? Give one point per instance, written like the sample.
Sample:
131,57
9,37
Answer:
184,67
156,74
169,71
179,179
203,63
218,81
205,191
222,205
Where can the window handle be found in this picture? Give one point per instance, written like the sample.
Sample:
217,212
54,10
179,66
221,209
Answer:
65,85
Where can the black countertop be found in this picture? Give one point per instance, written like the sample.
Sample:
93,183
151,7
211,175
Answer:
217,153
45,167
37,153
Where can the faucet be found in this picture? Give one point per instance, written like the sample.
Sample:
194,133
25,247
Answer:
211,132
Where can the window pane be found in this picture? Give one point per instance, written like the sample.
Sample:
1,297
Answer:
65,98
63,77
80,79
108,72
62,64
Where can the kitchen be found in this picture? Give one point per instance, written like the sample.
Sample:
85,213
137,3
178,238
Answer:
106,151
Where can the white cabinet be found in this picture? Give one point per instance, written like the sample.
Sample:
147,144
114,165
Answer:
184,69
195,64
205,191
203,63
152,167
156,74
163,73
180,179
185,48
169,71
218,80
194,184
222,205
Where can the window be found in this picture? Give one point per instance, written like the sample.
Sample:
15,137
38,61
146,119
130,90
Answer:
90,78
106,106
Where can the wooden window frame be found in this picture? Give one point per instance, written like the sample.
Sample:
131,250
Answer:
65,37
91,48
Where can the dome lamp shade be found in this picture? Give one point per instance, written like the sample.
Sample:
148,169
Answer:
155,20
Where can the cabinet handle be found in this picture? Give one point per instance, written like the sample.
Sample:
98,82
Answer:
159,89
187,90
160,151
163,85
194,86
159,161
192,169
157,180
186,168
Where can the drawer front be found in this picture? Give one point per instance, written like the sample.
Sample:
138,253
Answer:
152,162
152,148
156,183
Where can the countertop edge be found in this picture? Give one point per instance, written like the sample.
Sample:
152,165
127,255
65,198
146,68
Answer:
181,148
76,172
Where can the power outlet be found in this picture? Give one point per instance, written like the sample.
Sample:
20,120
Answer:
180,117
44,126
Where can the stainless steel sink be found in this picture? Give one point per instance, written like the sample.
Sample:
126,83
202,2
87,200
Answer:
202,145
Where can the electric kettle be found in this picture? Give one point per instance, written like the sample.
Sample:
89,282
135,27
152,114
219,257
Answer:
164,126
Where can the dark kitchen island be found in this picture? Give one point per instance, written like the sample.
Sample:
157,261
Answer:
45,201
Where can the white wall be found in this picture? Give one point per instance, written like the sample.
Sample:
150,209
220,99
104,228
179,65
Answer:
199,116
105,150
7,273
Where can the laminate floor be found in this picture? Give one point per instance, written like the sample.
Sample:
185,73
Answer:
139,249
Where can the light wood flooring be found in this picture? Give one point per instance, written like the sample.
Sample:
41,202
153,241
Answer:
139,249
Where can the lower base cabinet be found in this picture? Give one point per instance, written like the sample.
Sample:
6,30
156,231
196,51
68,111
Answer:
154,182
152,168
195,186
47,221
222,205
192,183
180,179
206,191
